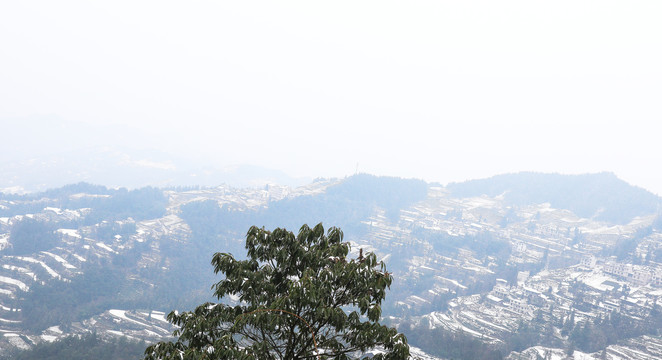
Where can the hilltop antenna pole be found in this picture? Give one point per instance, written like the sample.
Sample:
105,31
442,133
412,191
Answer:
357,169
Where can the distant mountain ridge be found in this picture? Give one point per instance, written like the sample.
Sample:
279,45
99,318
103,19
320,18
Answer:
602,196
114,156
129,168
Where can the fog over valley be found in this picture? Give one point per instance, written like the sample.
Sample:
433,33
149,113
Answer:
426,180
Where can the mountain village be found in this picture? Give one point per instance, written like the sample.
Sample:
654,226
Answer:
564,277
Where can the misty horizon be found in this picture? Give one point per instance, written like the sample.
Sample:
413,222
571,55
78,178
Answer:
438,91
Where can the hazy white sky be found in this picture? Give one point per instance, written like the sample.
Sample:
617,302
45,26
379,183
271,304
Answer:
439,90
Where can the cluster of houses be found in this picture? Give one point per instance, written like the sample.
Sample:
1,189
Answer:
527,296
638,275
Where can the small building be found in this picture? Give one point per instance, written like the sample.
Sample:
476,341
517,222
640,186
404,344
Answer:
656,278
588,261
500,290
522,276
610,305
519,306
641,277
520,247
618,269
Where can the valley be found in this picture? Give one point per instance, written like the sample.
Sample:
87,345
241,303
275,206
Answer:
502,269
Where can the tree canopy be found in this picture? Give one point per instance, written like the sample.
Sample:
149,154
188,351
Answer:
296,297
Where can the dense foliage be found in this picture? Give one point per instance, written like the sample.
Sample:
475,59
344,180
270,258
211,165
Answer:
106,231
595,335
139,204
353,199
344,203
102,285
452,345
300,297
85,347
624,248
482,244
30,236
59,302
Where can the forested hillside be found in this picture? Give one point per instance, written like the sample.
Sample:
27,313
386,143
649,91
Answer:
485,269
602,196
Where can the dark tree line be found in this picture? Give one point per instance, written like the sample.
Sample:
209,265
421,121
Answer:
29,236
596,334
89,346
451,345
113,204
101,286
60,303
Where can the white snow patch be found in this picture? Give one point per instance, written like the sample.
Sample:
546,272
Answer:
69,232
152,333
21,285
80,258
122,315
114,332
5,308
105,247
16,340
55,329
21,270
454,282
49,338
474,332
419,354
9,321
473,317
477,269
50,271
157,315
160,317
557,354
418,299
59,259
